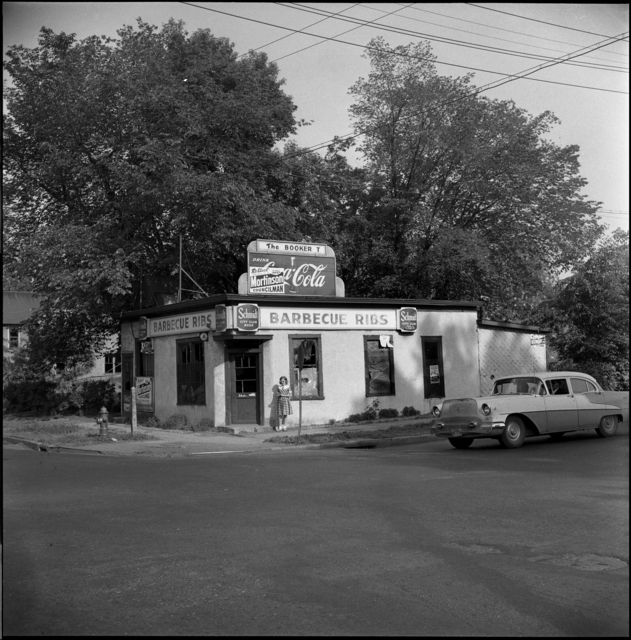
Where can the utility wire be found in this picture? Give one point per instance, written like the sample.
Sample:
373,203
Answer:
477,91
528,35
289,35
353,44
572,44
343,32
450,41
552,24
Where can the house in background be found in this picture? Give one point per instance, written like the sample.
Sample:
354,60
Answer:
17,307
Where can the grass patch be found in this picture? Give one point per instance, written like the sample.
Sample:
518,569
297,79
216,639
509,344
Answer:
54,432
414,429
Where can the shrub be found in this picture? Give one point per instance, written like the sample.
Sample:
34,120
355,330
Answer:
355,417
205,424
410,411
152,422
97,394
389,413
36,395
176,421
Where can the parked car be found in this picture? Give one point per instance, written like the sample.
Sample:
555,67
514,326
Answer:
549,402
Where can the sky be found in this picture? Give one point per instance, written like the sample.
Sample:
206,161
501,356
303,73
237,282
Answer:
590,97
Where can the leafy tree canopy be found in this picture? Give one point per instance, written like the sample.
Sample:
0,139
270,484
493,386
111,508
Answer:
590,314
115,147
467,196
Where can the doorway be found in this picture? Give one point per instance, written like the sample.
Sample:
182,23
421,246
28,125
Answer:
245,386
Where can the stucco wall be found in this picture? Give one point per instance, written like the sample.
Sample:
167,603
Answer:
343,369
505,352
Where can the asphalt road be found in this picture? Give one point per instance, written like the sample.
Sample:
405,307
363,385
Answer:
414,540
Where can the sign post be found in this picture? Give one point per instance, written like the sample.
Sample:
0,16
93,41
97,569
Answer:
133,410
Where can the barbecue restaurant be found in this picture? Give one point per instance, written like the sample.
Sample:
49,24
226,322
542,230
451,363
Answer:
221,357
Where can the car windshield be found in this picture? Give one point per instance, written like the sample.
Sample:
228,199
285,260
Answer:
519,386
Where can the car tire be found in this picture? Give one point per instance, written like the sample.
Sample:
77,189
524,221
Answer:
608,426
556,436
514,433
460,443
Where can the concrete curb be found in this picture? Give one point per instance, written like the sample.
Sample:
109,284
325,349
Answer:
364,443
359,444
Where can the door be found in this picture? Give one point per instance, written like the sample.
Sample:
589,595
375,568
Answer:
561,408
245,387
433,372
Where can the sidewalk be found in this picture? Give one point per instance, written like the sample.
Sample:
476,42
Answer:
188,443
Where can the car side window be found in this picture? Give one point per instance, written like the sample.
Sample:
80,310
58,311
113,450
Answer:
579,385
558,387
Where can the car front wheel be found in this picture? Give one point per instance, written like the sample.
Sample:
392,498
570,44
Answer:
608,426
514,433
460,443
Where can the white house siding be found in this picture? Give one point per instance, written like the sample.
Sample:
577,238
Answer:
505,352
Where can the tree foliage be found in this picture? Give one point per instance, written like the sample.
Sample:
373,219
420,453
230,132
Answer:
590,314
113,148
467,196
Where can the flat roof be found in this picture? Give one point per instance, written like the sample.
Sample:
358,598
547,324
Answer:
280,301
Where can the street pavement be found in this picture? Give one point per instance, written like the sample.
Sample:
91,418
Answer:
248,438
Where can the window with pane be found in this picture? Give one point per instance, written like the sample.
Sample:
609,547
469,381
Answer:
311,374
245,372
112,363
14,337
379,365
433,370
191,387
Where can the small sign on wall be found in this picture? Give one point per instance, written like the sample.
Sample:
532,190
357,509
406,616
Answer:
144,394
407,319
434,374
247,317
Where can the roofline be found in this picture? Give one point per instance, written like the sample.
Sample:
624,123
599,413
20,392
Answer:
223,298
513,326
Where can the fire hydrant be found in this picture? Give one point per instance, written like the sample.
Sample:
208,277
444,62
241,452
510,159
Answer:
102,421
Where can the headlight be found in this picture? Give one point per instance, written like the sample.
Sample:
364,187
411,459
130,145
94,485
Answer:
436,411
486,410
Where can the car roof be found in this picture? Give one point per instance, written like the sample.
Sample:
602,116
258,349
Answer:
548,375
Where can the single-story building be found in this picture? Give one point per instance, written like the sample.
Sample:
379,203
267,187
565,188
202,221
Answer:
221,357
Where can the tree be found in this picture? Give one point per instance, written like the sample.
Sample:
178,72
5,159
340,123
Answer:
590,315
467,196
113,148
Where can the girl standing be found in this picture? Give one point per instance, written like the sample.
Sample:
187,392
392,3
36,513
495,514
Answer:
283,407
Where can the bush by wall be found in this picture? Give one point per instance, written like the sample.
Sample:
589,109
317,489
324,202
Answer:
44,396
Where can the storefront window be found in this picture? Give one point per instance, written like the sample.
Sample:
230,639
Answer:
311,374
191,387
379,365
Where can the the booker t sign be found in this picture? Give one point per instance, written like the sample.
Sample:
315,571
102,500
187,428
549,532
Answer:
290,268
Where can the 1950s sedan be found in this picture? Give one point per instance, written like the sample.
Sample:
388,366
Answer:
549,402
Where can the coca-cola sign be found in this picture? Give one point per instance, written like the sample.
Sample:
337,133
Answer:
298,275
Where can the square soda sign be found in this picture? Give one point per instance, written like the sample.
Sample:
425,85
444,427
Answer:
299,269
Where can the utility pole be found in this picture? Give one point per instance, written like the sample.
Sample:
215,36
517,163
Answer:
179,291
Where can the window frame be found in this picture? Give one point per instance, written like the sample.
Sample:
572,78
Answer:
115,365
390,350
201,366
317,337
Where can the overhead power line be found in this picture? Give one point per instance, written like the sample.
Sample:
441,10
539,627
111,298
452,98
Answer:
361,46
343,32
552,24
289,35
494,27
444,40
477,91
